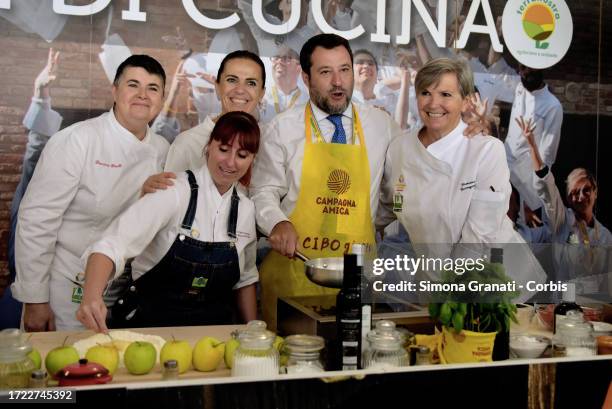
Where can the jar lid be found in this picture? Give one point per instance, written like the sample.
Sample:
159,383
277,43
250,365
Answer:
171,364
574,322
304,343
385,336
256,336
13,345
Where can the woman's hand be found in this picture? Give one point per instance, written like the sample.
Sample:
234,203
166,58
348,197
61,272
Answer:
92,313
527,129
160,181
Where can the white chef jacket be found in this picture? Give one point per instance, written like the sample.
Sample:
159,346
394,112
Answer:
278,169
87,174
268,110
187,150
547,112
456,190
147,229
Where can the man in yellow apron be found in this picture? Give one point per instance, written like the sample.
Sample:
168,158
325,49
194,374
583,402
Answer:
317,177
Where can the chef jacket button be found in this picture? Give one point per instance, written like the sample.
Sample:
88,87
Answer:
132,288
181,237
120,301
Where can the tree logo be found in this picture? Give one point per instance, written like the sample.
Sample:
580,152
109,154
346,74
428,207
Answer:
339,181
539,23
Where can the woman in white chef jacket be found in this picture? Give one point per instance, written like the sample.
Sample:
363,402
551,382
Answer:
194,244
87,174
443,187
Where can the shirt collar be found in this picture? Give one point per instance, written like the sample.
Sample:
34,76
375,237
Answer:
439,147
320,115
124,132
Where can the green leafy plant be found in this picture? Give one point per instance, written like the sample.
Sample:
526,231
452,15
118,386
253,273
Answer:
493,314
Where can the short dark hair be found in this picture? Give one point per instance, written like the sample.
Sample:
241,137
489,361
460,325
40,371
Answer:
367,52
327,41
247,55
148,63
241,125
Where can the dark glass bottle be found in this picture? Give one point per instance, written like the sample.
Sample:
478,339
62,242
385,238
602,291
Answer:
348,315
568,303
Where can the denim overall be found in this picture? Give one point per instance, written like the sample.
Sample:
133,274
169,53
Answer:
191,285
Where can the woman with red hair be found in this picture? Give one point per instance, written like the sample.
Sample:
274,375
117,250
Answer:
194,244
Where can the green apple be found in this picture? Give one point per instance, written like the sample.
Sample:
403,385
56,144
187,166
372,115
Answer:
107,356
278,343
59,357
140,357
34,355
230,348
178,350
207,354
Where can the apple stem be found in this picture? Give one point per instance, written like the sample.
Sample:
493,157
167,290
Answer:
65,339
173,339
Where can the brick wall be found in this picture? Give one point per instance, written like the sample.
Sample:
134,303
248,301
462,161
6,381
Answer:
83,85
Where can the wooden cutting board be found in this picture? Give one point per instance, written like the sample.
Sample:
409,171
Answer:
46,341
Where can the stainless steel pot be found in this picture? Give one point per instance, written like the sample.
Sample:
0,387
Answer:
326,272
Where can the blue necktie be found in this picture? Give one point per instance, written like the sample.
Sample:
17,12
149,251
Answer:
339,135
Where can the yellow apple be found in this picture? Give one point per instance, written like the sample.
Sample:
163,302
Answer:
107,356
34,355
178,350
59,357
207,354
230,348
140,357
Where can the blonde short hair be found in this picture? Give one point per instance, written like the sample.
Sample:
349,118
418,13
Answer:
431,73
578,174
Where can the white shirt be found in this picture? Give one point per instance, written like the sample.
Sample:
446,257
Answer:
455,191
187,150
268,110
278,169
148,228
547,113
87,174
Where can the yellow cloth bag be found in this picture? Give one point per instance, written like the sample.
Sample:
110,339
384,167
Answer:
332,212
466,346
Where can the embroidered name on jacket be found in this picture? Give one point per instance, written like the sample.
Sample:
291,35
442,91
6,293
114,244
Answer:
108,165
467,185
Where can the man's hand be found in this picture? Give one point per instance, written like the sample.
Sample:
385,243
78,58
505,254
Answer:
160,181
531,218
283,238
47,75
92,314
38,317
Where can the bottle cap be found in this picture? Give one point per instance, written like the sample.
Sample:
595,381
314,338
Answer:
170,364
38,374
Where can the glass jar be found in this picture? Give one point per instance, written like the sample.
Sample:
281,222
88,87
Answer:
38,379
256,355
304,354
386,347
576,334
170,371
15,366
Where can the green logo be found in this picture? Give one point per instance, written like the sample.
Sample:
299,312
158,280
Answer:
199,282
77,295
539,23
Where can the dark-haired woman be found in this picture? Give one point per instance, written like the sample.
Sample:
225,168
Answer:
240,86
194,244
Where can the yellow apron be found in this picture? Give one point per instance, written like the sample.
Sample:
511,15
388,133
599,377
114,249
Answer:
332,212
